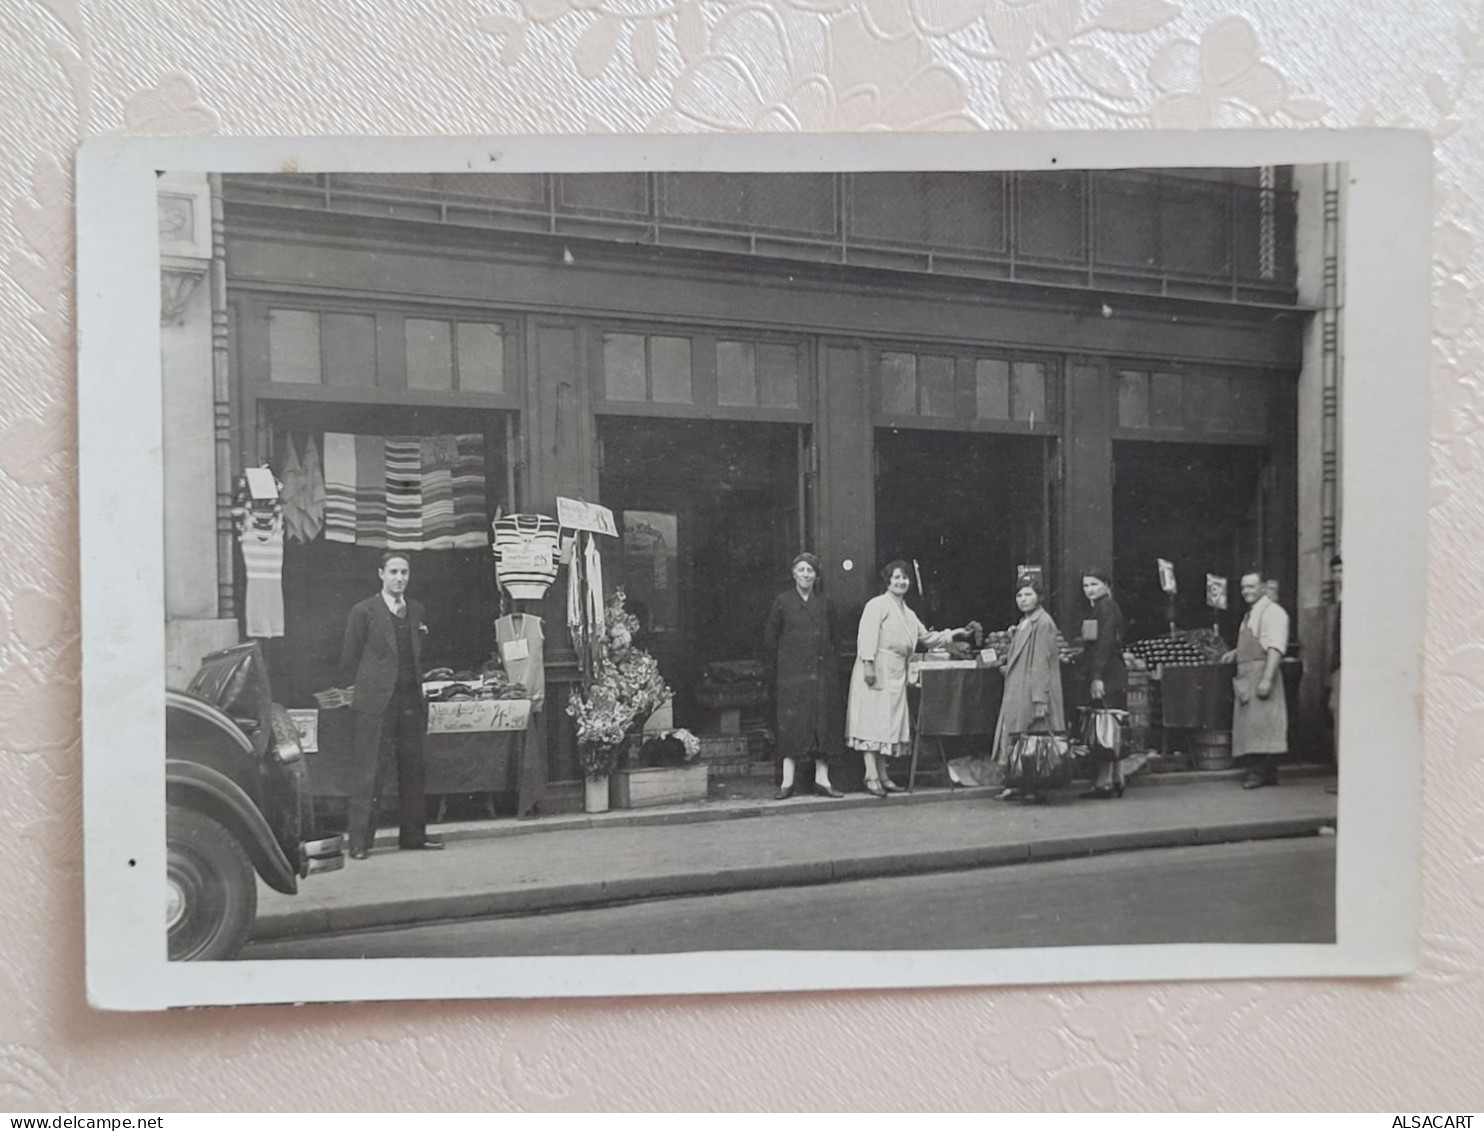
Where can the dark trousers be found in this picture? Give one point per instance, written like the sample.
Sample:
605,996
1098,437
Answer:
394,737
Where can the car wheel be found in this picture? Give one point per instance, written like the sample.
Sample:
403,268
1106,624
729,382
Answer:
213,892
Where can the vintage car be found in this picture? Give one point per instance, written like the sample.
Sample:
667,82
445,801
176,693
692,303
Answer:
238,805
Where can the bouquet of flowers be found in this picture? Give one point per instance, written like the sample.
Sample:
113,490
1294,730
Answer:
626,687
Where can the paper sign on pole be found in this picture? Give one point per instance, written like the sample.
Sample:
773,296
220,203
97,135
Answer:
1216,591
577,514
1166,575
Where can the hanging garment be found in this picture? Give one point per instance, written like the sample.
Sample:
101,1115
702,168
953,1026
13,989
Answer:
404,493
526,554
371,492
262,554
520,639
294,486
593,569
314,492
340,487
574,599
470,520
439,453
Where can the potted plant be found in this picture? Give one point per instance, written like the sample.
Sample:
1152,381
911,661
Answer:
626,687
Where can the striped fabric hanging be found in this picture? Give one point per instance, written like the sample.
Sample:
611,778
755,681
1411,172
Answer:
371,492
404,493
340,487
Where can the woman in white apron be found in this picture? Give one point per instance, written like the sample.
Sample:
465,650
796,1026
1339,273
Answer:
1260,712
877,722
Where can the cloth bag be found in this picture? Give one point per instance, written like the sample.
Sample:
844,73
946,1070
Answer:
1039,761
1104,729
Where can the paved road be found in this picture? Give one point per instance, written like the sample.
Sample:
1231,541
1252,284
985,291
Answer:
1259,892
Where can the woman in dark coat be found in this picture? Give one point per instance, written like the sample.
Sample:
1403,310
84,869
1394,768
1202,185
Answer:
1106,673
800,635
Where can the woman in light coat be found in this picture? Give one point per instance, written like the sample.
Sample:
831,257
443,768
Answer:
877,722
1033,698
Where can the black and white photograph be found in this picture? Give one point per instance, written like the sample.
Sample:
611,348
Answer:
876,565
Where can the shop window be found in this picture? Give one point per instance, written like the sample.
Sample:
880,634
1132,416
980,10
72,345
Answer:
1028,391
670,370
992,389
778,375
624,367
350,350
736,374
640,368
1133,399
481,352
1208,403
936,375
752,374
294,347
1249,403
898,383
429,354
1165,401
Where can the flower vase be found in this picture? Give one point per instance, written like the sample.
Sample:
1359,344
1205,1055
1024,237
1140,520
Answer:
595,793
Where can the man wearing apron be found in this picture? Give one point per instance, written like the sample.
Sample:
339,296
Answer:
1260,714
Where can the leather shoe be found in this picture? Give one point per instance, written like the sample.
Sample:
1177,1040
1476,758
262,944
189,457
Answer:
784,794
826,791
874,789
891,786
359,853
1257,781
428,843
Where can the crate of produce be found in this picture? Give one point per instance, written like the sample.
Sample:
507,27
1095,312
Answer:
720,696
723,747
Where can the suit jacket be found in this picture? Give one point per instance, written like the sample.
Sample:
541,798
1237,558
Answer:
369,656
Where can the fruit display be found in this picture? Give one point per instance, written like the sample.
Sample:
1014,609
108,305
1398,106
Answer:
1187,649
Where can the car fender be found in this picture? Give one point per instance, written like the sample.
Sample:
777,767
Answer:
213,793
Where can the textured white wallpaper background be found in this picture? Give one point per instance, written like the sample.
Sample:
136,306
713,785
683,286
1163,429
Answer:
82,67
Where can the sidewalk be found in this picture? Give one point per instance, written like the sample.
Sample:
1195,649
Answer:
568,863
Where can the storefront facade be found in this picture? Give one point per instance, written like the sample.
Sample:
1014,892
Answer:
973,371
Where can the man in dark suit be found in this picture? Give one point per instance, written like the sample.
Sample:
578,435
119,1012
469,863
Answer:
383,659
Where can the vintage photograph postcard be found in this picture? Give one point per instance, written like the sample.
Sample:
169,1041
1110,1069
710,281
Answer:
612,566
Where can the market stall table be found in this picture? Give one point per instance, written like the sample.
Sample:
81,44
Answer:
958,698
462,753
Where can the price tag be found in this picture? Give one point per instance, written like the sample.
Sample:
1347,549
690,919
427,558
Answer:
516,650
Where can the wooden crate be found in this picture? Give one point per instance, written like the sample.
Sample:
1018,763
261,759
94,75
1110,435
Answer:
723,747
658,785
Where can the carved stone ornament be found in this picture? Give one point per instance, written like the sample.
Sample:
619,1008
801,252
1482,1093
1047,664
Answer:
178,283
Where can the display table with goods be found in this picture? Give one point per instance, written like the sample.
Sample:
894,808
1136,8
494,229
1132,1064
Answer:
482,737
1195,691
957,698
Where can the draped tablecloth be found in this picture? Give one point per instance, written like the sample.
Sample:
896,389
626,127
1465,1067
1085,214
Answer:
465,762
1198,697
959,700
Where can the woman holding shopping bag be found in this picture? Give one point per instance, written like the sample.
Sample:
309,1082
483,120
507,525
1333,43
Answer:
1107,675
1032,703
877,722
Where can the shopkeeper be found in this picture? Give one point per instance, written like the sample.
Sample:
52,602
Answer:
382,657
1260,712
